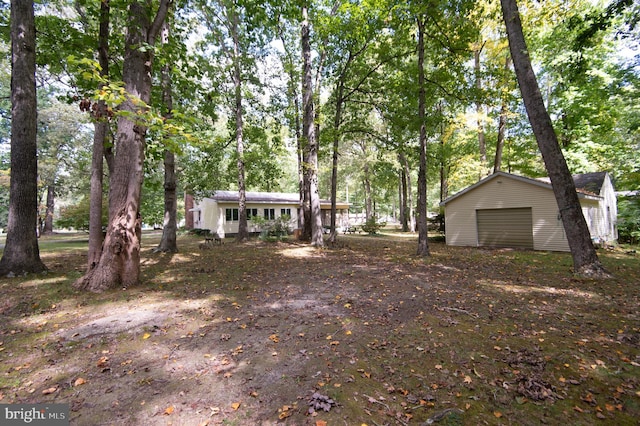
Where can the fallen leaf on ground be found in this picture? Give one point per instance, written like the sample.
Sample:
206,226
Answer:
79,381
235,405
169,410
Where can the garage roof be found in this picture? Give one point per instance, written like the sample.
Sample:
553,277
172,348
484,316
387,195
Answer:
587,185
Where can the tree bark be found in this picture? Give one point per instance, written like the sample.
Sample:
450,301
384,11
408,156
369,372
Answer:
21,253
307,124
585,259
311,205
423,243
119,264
100,135
243,231
168,242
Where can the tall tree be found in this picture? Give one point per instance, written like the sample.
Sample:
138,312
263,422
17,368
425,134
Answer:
243,230
423,243
21,254
585,259
311,203
100,138
168,242
119,263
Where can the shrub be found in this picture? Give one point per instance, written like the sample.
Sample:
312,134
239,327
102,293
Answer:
371,225
629,220
276,230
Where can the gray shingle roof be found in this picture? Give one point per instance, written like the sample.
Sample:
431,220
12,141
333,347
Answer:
258,197
590,182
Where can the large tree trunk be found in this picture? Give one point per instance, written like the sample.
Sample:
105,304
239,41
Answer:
119,264
243,231
423,243
168,242
307,125
585,259
21,253
312,226
101,131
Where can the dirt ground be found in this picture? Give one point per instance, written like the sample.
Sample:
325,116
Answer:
361,333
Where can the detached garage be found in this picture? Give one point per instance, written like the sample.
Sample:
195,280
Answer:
505,210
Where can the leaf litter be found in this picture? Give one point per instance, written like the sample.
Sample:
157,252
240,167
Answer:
362,333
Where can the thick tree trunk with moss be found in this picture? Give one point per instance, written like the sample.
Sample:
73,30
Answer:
119,264
21,253
585,259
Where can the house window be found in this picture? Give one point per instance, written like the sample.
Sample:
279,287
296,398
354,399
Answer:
231,214
252,213
269,214
285,212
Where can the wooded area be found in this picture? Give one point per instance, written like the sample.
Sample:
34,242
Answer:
116,114
390,106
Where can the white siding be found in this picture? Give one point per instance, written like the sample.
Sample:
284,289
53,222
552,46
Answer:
212,215
505,192
607,225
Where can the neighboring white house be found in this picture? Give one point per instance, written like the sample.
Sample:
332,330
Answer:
506,210
219,213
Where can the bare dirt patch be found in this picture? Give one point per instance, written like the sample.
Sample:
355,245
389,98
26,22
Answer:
367,333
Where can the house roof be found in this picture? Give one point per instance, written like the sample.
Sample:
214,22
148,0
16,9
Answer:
258,197
588,185
270,198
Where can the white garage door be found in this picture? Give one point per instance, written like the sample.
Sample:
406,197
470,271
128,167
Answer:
505,228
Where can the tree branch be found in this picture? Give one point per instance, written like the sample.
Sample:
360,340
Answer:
156,26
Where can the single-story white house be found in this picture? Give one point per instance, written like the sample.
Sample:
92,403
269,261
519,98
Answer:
506,210
219,213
